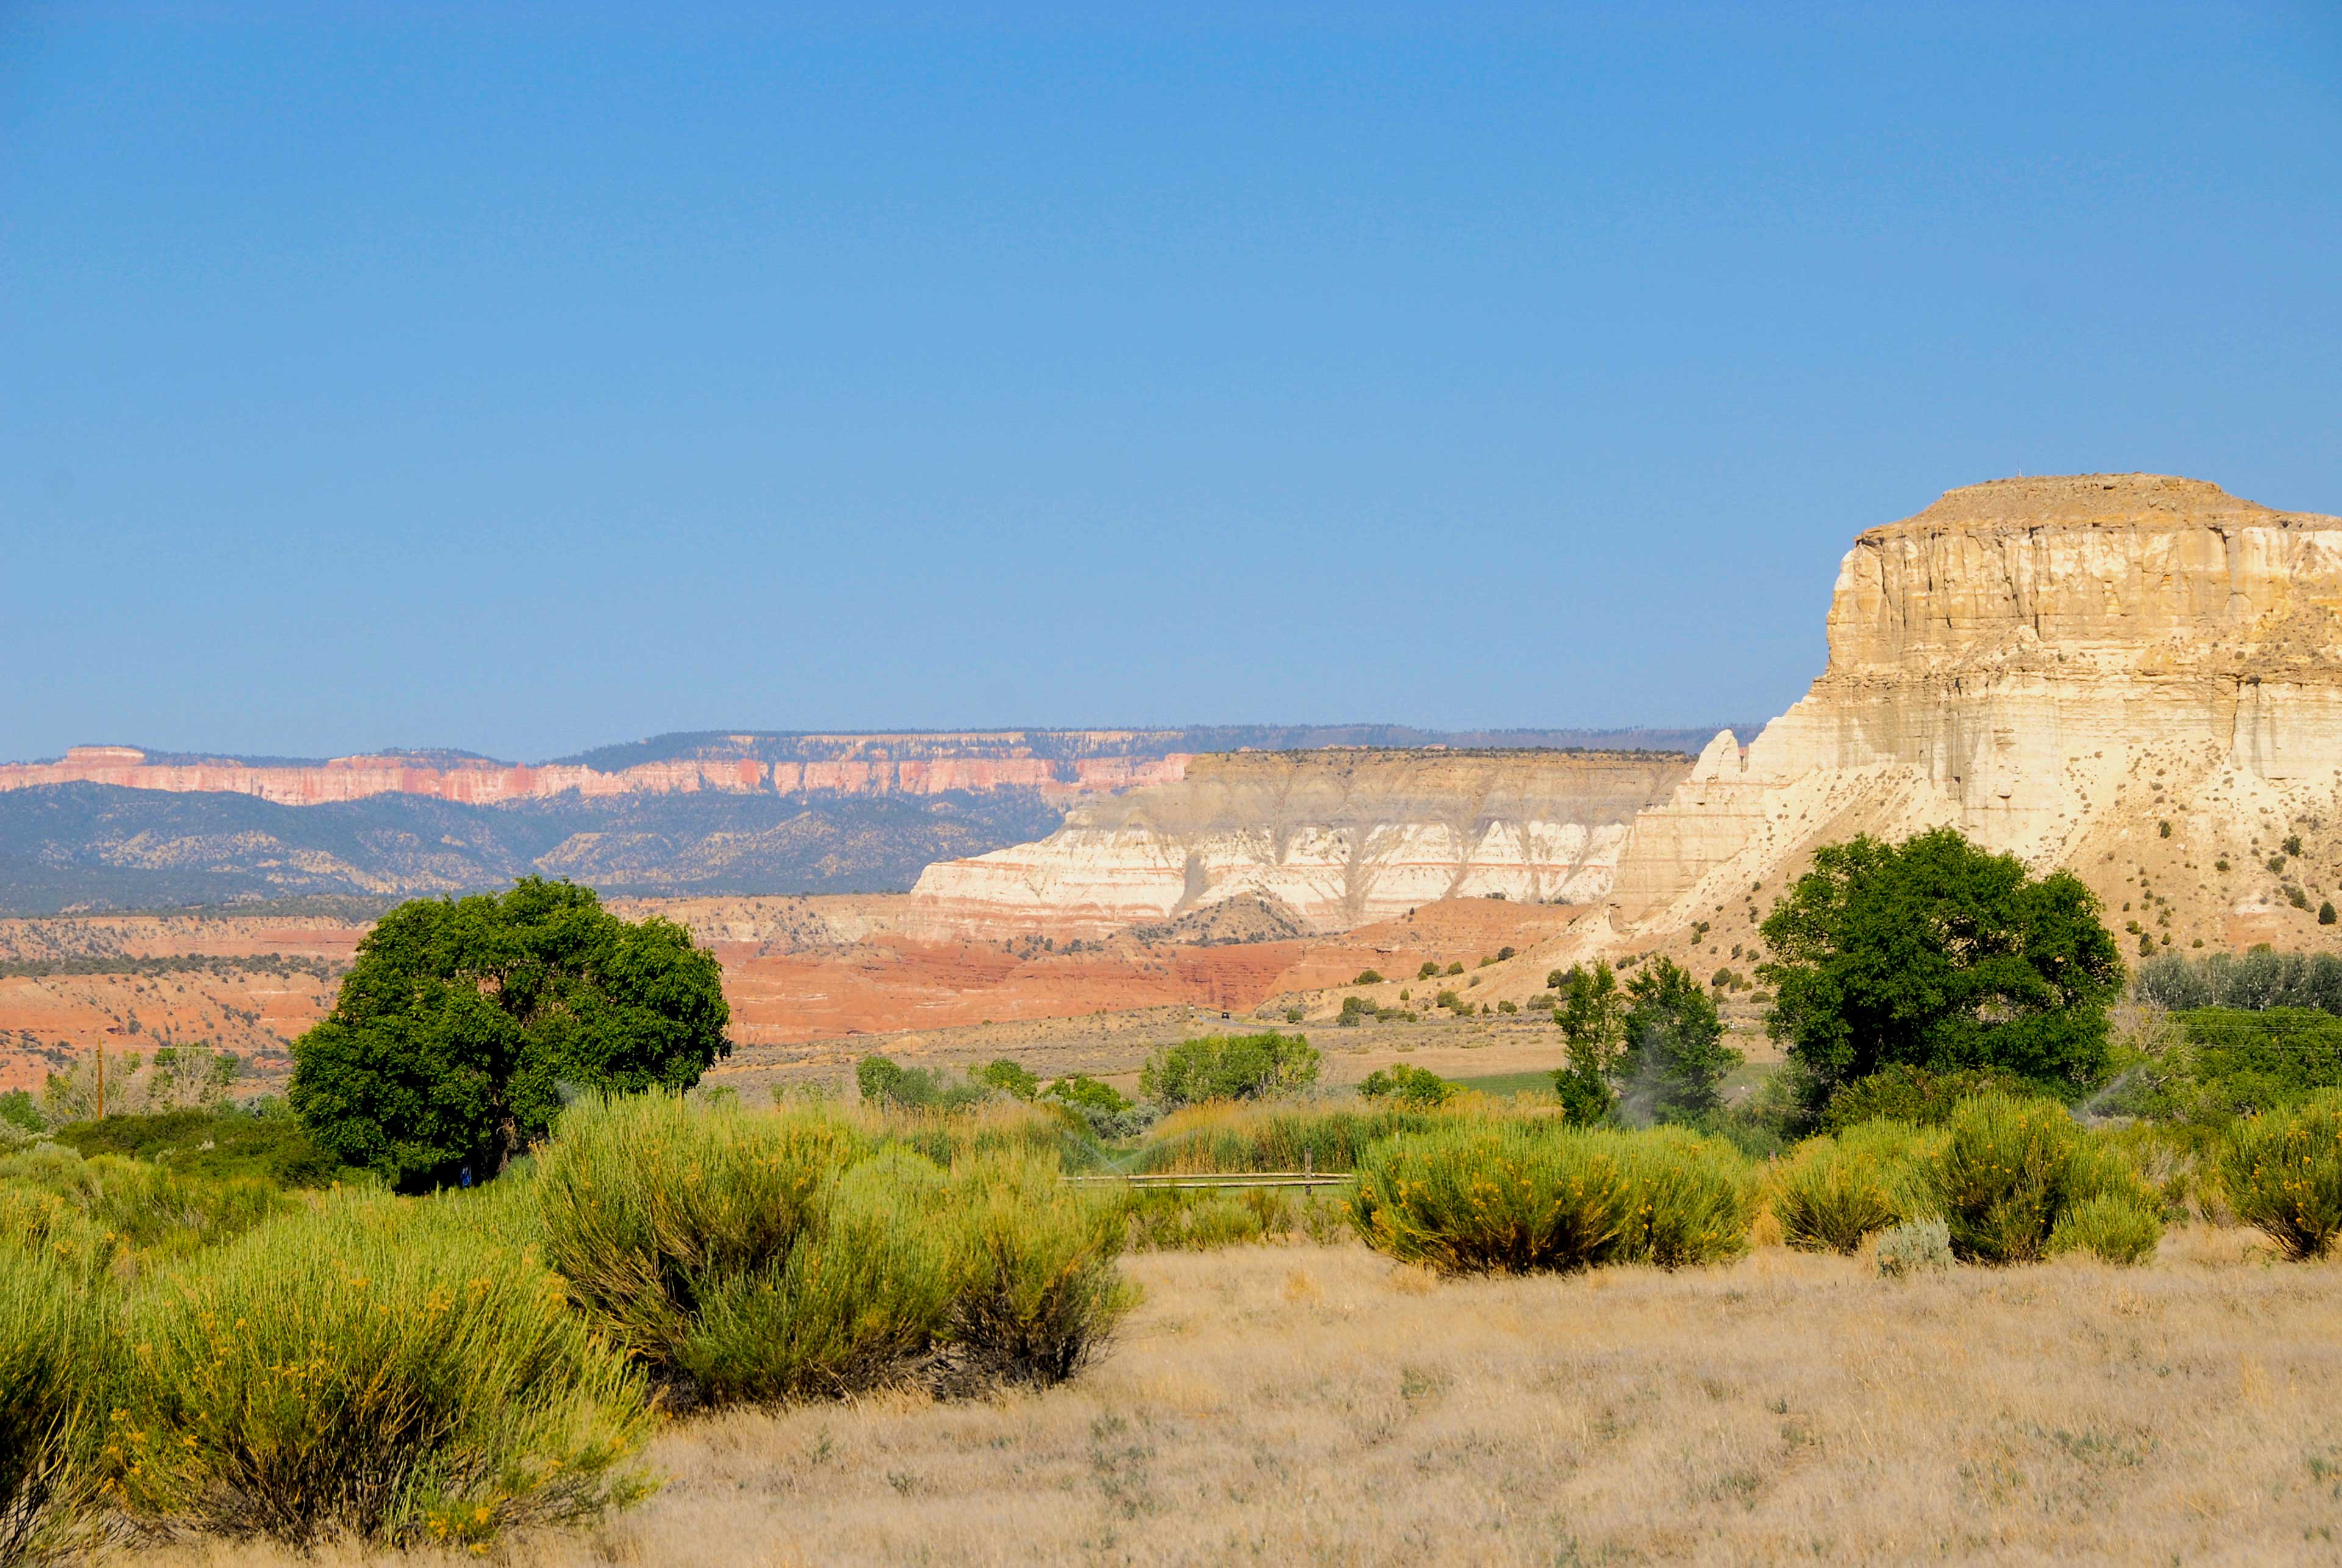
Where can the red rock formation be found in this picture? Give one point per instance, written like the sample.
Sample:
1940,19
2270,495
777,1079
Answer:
480,781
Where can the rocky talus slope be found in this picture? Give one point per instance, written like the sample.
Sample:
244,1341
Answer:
2136,677
1337,837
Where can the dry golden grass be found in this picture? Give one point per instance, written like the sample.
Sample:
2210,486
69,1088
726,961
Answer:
1319,1405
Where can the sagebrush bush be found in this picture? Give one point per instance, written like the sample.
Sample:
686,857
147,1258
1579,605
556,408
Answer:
1691,1198
771,1257
2282,1175
1913,1247
2010,1170
57,1377
648,1203
106,1213
1833,1193
856,1303
1523,1197
1035,1290
1224,1139
375,1369
1048,1131
2114,1227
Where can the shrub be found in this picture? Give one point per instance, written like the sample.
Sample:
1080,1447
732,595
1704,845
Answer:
1833,1193
2115,1227
1515,1198
2229,1063
2283,1174
1920,1245
2009,1170
379,1370
1508,1007
855,1304
649,1202
886,1081
215,1143
1369,977
1010,1077
1449,1000
1229,1067
778,1258
1036,1294
17,1111
93,1216
1902,1093
1102,1107
1454,969
1692,1199
2326,915
56,1382
1403,1084
1430,968
1226,1138
1354,1010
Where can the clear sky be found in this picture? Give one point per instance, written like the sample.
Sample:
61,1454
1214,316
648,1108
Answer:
525,377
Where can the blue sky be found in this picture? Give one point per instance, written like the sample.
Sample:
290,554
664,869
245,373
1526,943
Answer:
526,377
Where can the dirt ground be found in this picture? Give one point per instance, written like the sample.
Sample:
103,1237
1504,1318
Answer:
814,983
1319,1405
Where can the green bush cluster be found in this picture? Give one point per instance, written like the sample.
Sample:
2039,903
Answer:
1404,1085
883,1080
1833,1193
216,1142
776,1257
2282,1175
107,1216
1229,1067
377,1368
1230,1138
1521,1197
1902,1093
2020,1180
56,1387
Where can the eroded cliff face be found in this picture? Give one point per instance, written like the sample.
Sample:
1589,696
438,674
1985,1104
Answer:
867,764
2059,667
1339,837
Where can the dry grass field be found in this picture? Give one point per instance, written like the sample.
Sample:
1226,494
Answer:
1318,1405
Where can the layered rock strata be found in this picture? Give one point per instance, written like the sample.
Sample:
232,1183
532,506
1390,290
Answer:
478,781
2098,671
1339,838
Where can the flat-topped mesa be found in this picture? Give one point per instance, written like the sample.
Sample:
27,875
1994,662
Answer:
813,764
1337,837
1999,660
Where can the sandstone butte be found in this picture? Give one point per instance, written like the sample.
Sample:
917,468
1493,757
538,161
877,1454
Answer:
2135,676
1339,838
861,764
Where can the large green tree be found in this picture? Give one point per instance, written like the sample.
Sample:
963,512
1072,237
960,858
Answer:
1676,1055
463,1019
1592,1013
1935,954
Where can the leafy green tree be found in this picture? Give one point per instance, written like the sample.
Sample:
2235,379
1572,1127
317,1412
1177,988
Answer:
1674,1042
1229,1067
1417,1088
1592,1013
463,1019
1935,954
1009,1077
1085,1092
